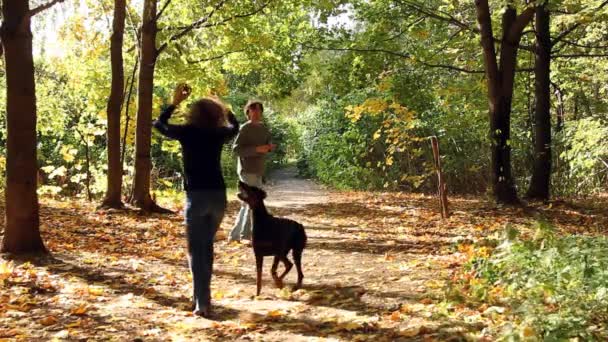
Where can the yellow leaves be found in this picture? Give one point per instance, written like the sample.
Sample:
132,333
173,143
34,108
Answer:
80,310
372,106
395,316
6,269
385,84
528,333
220,88
217,295
68,152
275,313
95,290
389,160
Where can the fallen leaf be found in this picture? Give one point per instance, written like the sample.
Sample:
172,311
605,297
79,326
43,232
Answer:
409,332
79,311
48,320
275,313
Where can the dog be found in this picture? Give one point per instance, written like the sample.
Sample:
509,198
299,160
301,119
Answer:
273,236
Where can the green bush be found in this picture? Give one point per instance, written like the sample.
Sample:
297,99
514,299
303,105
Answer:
555,287
581,158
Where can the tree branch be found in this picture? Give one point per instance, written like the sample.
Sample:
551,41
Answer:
450,67
433,13
586,46
215,57
487,41
43,7
162,10
562,35
398,54
582,55
192,26
393,53
222,22
520,23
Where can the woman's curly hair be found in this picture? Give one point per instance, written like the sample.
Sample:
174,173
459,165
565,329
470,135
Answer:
207,112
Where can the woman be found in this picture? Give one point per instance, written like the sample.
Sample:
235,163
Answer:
201,139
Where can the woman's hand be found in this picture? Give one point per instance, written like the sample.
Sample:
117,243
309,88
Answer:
181,92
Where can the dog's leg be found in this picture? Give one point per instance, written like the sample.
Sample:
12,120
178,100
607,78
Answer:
259,261
275,277
297,259
288,265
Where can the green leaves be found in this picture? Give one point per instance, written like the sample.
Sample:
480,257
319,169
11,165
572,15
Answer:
555,286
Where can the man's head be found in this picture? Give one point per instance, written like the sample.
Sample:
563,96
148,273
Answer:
251,195
254,110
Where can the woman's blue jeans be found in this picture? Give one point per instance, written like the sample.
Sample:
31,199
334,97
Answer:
204,213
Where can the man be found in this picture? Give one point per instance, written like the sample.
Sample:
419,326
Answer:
251,146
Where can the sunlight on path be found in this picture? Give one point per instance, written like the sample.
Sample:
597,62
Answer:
285,190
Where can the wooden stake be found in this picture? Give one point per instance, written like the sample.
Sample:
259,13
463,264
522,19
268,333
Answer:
441,185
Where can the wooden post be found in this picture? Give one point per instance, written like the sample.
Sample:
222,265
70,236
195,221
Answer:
441,185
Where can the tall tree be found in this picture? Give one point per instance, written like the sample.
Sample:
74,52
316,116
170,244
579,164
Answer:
22,231
545,53
541,173
149,53
114,179
499,78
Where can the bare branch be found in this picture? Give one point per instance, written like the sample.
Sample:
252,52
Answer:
398,54
389,52
586,46
582,55
162,10
192,26
208,59
450,67
222,22
439,15
44,7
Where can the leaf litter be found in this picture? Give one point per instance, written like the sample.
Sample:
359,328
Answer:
375,269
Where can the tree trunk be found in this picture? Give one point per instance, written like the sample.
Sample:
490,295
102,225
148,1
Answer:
114,178
500,92
127,117
561,110
541,174
22,231
143,134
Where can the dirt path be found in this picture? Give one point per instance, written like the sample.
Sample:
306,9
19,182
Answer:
376,268
360,282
